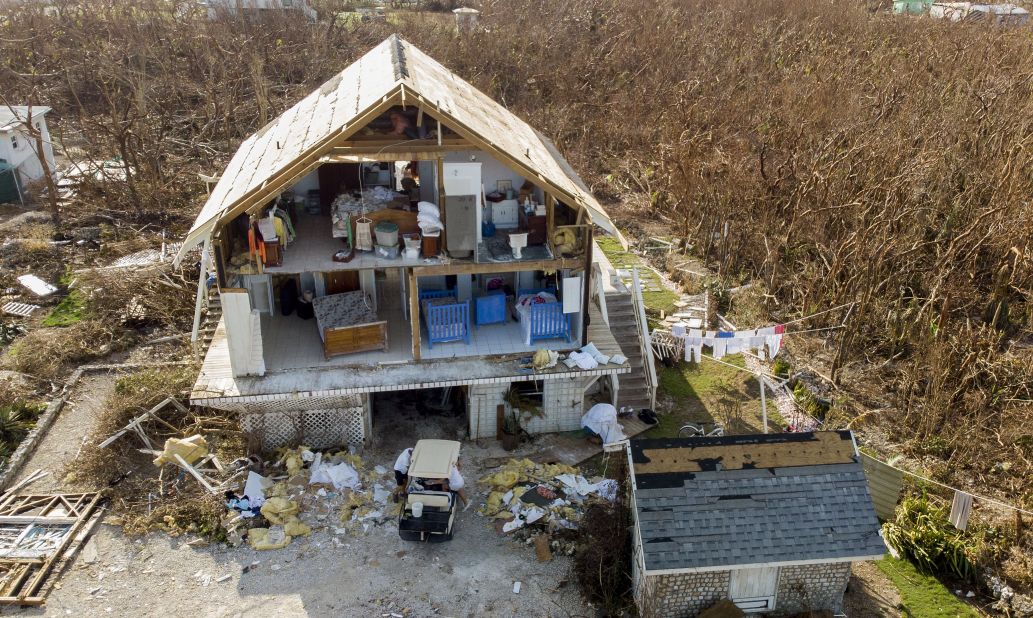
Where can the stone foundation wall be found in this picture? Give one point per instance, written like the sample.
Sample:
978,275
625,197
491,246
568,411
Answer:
683,595
812,587
800,589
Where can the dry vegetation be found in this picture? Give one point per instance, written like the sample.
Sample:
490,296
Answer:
854,156
144,499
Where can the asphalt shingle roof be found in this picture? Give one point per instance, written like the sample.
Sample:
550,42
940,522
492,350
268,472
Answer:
716,517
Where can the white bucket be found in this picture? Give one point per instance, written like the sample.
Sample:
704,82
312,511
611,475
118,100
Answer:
417,509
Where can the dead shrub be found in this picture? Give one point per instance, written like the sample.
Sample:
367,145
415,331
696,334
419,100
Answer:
48,352
142,497
149,297
602,563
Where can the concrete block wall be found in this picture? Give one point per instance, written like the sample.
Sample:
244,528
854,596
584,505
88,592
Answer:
812,587
484,401
562,406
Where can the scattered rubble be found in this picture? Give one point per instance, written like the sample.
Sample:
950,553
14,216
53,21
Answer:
546,496
313,490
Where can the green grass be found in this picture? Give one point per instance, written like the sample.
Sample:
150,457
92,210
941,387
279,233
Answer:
703,393
661,299
923,596
68,311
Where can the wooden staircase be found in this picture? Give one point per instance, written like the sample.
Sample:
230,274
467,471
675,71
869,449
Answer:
634,390
209,320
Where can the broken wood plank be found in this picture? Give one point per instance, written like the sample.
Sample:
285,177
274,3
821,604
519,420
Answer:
20,309
194,473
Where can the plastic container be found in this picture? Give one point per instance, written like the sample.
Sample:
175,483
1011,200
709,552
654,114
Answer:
487,229
417,509
412,241
387,233
389,252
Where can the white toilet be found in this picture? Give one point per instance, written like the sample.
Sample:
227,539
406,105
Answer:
517,242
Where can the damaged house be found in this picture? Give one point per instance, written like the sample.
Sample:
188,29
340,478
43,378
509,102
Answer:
771,522
398,230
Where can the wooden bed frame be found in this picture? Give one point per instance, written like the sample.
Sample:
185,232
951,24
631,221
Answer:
351,339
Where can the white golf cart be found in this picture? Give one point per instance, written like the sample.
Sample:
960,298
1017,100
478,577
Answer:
429,513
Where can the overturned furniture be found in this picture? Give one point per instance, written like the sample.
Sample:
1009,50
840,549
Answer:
37,534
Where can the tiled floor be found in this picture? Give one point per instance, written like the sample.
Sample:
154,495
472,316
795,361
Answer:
290,342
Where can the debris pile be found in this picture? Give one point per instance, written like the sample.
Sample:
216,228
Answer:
307,490
549,496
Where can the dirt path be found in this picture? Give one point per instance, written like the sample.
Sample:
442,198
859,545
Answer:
870,593
324,575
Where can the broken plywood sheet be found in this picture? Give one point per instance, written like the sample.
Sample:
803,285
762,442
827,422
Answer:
742,453
36,285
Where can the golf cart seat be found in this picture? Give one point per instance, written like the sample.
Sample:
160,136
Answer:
437,500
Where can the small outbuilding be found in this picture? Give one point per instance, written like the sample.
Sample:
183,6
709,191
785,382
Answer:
1005,14
771,522
20,164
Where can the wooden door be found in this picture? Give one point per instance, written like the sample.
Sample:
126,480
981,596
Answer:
340,281
753,590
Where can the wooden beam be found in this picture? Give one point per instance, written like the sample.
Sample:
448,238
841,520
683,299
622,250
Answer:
586,293
379,142
504,157
441,198
305,162
384,154
472,268
414,314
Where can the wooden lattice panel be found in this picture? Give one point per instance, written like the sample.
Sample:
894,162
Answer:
325,428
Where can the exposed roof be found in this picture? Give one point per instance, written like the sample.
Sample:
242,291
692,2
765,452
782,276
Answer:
433,459
289,146
767,499
12,116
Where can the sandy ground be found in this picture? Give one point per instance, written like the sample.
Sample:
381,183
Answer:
870,594
376,574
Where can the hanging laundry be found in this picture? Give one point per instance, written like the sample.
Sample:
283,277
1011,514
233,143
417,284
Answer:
764,342
961,509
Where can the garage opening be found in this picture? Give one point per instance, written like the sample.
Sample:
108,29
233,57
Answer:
400,418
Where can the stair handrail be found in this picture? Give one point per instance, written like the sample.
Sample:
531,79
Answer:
645,339
598,291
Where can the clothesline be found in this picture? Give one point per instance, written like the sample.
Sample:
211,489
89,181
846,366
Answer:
814,315
975,496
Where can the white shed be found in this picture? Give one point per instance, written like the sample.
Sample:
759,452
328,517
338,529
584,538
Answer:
18,147
260,6
1001,14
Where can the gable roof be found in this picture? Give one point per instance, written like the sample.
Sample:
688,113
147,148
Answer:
12,116
706,504
290,146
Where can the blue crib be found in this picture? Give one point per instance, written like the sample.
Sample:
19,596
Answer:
546,320
445,322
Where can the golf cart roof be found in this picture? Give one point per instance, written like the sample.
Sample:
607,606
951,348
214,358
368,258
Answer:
433,459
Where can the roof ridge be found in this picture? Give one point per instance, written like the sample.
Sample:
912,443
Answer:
396,44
